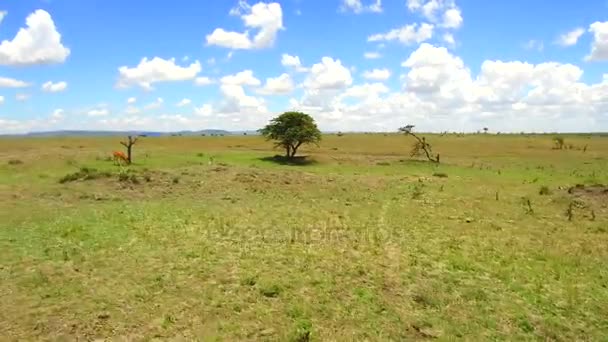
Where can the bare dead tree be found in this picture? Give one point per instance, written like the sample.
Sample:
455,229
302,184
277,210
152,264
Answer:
129,144
420,146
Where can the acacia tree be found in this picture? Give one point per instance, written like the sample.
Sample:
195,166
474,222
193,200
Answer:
420,146
291,130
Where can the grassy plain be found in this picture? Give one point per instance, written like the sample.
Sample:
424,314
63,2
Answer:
203,238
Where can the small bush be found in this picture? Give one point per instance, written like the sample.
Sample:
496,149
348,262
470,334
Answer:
123,176
200,154
84,173
544,190
440,174
15,162
147,178
175,180
340,134
417,191
271,291
383,163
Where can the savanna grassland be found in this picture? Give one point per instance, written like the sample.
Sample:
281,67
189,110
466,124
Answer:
205,238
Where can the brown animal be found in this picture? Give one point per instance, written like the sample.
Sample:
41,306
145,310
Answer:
120,157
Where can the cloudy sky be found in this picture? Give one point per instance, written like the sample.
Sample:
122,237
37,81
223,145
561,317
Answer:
355,65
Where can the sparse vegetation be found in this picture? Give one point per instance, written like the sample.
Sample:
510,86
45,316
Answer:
355,246
15,162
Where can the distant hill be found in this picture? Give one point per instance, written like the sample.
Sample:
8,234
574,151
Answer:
80,133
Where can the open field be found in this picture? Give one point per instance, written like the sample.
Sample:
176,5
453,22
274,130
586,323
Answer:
203,238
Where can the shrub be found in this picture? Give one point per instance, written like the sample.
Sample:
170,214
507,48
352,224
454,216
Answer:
15,162
544,190
84,173
175,180
440,174
271,291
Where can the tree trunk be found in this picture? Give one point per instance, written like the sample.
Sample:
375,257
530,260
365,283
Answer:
288,151
129,153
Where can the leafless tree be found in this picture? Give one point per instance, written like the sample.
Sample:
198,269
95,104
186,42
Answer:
129,144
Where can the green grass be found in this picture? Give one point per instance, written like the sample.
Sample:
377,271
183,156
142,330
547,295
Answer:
207,238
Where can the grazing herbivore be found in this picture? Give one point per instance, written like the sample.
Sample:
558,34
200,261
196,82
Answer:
119,157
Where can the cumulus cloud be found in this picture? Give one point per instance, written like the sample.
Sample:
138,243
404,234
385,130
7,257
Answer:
156,70
131,100
599,47
57,115
203,81
2,15
267,18
204,110
184,102
51,87
328,74
6,82
356,6
243,78
408,34
377,74
280,85
571,38
38,43
292,62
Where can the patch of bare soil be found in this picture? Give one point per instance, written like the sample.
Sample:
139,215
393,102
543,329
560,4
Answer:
589,190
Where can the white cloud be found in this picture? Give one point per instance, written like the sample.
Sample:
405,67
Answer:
1,100
51,87
449,38
328,74
372,55
356,6
204,110
292,62
203,81
377,74
408,34
6,82
533,44
2,15
444,13
155,105
280,85
156,70
183,102
452,18
571,38
267,18
98,112
38,43
243,78
57,115
237,101
132,110
22,97
599,47
131,100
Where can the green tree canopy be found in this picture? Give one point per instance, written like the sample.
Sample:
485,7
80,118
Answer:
291,130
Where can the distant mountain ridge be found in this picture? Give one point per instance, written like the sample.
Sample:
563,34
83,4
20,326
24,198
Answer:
68,133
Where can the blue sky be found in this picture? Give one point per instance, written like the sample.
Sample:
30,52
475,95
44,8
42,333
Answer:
353,64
